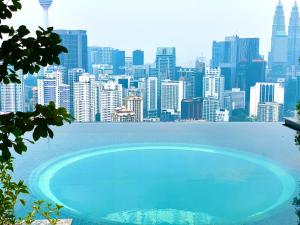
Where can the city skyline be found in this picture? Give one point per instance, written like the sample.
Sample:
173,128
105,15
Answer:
173,30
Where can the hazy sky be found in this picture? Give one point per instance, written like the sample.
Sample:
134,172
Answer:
189,25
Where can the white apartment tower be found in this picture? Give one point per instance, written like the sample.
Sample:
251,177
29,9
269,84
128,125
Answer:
85,99
12,97
135,104
171,95
110,98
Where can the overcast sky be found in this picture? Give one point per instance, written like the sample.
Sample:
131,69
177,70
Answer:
189,25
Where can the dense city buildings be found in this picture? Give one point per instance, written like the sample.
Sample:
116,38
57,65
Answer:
106,84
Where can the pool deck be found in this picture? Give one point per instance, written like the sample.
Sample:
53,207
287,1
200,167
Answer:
45,222
293,123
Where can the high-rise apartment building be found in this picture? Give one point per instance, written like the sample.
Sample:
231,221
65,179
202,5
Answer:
135,104
270,112
210,107
12,96
76,42
265,93
171,95
110,98
85,99
213,85
73,77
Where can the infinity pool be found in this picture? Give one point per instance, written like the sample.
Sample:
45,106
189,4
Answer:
161,183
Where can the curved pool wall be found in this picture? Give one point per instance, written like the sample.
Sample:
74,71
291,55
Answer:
41,177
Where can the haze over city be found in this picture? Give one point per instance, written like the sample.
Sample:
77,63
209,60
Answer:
189,25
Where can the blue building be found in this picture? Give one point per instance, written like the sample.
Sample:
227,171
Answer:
118,62
76,42
138,58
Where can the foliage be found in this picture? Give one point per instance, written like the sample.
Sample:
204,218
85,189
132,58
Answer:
20,51
10,196
24,52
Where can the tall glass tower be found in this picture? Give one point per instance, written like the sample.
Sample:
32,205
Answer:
46,5
278,54
294,38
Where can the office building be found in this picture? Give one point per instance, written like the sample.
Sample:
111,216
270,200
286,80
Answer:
76,42
191,109
137,58
118,62
166,63
265,93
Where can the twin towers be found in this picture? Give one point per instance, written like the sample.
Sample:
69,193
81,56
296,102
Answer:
285,50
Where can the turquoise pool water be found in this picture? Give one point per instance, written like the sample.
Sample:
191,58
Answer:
160,184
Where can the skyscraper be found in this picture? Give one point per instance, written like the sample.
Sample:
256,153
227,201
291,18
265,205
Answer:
46,5
166,63
278,54
294,39
76,42
118,62
151,97
85,99
138,57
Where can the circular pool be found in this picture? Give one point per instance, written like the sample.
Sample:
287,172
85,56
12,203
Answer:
164,184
